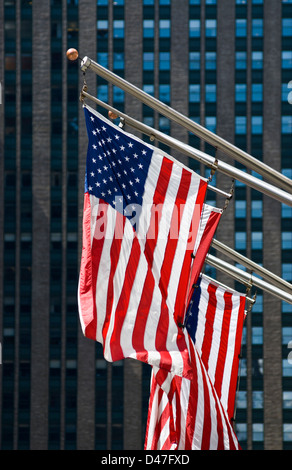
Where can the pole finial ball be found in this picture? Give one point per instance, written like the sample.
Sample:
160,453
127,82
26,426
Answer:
112,115
72,54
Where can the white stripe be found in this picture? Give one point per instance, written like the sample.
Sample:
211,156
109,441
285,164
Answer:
230,350
147,201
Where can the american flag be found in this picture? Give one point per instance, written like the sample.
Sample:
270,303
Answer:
196,414
142,213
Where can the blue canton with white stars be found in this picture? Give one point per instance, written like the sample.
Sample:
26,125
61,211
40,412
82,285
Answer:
117,165
193,311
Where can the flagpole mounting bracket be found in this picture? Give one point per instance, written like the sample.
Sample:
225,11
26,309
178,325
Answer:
214,167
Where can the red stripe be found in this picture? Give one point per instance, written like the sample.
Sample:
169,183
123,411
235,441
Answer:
90,265
202,250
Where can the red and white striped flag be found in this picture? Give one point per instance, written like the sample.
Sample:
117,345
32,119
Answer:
196,414
142,213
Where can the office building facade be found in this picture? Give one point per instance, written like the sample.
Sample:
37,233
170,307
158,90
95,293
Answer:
225,64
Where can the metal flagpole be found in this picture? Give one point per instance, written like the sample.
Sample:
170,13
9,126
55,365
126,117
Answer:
260,270
198,155
213,139
247,278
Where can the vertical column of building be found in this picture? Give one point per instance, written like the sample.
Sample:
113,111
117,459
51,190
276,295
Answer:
179,70
41,225
2,52
64,180
272,226
225,107
86,347
133,52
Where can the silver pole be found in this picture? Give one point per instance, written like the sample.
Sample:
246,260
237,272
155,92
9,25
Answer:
261,271
247,279
213,139
202,157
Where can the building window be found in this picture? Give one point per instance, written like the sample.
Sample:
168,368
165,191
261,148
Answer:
257,92
287,27
102,29
118,95
211,123
210,60
257,27
118,60
194,28
102,58
240,92
240,60
257,240
257,397
148,60
286,124
287,271
287,368
240,240
194,60
256,209
286,59
257,124
240,28
287,400
194,93
211,28
102,92
164,28
164,93
286,240
287,432
240,125
210,93
240,209
119,28
149,89
258,432
148,28
164,60
257,335
257,59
